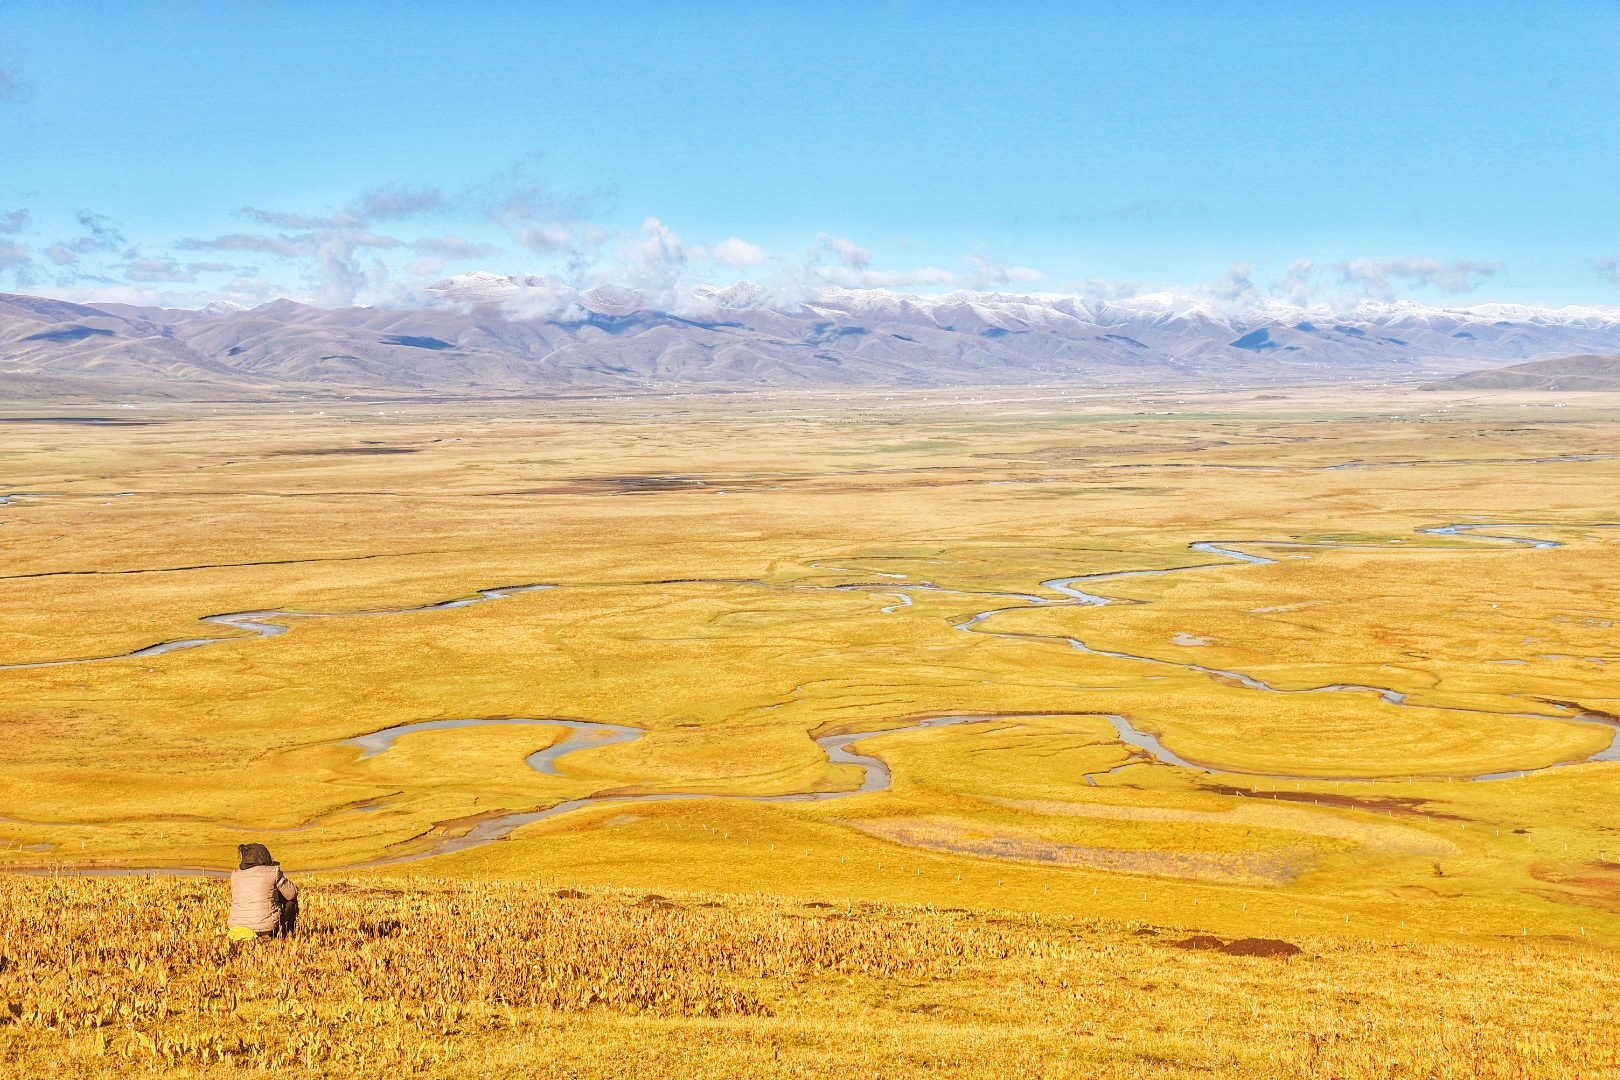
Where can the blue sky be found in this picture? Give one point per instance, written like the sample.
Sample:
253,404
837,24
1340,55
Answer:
1454,153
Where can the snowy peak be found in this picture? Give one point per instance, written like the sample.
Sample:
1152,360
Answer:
744,294
484,333
527,294
612,300
482,287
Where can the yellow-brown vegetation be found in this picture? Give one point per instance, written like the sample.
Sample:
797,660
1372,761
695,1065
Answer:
456,979
736,578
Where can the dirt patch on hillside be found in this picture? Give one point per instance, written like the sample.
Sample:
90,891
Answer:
1589,884
1267,947
1383,804
325,450
1228,868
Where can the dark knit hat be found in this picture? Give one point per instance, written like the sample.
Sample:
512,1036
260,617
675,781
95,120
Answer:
254,855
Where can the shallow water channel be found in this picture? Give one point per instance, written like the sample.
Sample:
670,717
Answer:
585,735
838,748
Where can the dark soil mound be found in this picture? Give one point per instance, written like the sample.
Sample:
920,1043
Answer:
1260,946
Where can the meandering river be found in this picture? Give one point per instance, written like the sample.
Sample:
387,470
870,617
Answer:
839,748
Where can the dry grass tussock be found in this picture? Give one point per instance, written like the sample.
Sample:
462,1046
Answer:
140,968
436,978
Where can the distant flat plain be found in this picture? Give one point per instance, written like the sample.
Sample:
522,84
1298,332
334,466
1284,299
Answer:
738,575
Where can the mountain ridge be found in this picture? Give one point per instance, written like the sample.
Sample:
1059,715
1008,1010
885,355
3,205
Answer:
480,334
1565,373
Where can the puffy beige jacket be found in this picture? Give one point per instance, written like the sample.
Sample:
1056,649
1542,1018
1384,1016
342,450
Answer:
257,894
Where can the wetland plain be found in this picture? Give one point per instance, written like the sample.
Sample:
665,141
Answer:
1335,667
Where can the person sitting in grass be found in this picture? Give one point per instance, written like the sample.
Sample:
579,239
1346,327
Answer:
263,901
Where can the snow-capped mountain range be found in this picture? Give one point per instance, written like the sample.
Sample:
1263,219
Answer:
484,334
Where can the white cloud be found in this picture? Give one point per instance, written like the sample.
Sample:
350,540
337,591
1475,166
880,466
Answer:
555,226
158,270
331,248
398,201
852,255
544,239
346,219
854,270
1376,278
1609,269
268,245
250,292
735,252
846,278
987,273
345,260
253,291
454,247
1353,281
1235,287
548,300
658,257
100,234
344,256
1295,284
1106,289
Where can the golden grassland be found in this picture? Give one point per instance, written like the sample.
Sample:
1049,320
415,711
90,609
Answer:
695,545
438,978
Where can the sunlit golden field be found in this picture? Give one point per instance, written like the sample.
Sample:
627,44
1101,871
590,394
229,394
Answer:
433,978
732,577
